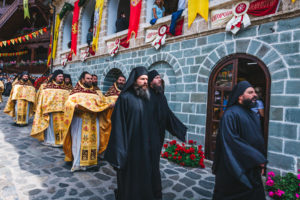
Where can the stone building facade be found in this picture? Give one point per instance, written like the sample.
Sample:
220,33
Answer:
189,63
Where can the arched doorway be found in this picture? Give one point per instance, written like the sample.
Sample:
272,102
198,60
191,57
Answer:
110,78
227,73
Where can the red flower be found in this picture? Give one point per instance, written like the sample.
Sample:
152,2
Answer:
175,153
191,141
165,146
182,163
192,150
199,147
173,142
174,157
192,156
179,158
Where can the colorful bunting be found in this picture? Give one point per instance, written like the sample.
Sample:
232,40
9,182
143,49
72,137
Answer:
20,53
196,7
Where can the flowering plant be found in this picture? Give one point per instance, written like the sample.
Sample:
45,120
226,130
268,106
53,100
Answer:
185,154
283,187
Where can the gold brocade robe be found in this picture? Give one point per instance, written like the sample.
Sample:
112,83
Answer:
113,91
23,93
42,86
90,106
1,91
52,100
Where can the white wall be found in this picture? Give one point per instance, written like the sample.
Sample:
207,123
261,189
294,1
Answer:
86,20
112,16
67,31
149,10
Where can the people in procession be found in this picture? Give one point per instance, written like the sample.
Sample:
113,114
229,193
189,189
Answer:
21,100
117,87
48,123
68,81
84,124
240,151
1,89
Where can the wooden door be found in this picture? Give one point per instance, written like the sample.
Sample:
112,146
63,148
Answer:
224,77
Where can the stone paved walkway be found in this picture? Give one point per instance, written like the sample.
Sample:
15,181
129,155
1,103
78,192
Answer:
29,170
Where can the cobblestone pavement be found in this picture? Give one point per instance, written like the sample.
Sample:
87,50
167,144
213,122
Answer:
29,170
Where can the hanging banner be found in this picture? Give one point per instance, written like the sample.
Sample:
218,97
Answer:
160,37
97,23
56,33
150,35
196,7
240,17
263,7
134,20
220,17
75,28
19,53
50,48
26,9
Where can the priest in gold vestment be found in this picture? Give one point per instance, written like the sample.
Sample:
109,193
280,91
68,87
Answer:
21,100
1,90
84,124
49,116
117,87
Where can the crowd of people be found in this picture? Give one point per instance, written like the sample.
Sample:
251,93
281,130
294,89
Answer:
126,127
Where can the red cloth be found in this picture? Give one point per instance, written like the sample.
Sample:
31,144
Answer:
74,32
134,20
263,7
178,28
124,43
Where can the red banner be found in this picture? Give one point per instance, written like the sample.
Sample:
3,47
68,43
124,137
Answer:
263,7
124,43
135,13
75,28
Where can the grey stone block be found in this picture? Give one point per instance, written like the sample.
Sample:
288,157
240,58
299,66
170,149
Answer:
194,69
191,52
230,48
286,37
228,36
202,79
275,144
247,32
292,115
199,59
280,75
281,161
292,147
187,44
190,88
214,57
242,46
190,61
293,87
293,60
296,35
197,119
201,109
269,38
284,100
277,87
204,71
208,49
141,53
221,52
177,54
202,87
175,46
270,57
208,64
180,97
182,117
276,113
267,28
198,97
202,41
263,50
254,46
287,48
175,107
151,51
294,72
288,24
196,138
216,38
277,65
188,108
283,130
190,78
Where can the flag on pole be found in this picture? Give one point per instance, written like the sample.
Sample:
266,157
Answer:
56,33
75,28
195,7
134,20
26,9
97,23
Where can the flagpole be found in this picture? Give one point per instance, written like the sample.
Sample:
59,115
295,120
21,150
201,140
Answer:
53,23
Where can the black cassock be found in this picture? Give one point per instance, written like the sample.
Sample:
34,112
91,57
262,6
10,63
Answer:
129,146
239,153
164,120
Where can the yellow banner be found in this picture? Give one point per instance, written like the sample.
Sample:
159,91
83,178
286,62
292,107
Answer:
195,7
55,37
97,23
26,10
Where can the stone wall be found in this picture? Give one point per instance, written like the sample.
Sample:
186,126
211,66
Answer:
186,67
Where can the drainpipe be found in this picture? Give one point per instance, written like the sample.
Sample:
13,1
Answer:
53,22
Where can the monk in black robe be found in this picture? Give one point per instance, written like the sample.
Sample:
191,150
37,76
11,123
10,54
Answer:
129,149
164,120
240,152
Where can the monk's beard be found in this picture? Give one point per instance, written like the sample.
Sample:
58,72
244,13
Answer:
140,92
87,85
24,80
120,86
248,103
94,84
158,89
